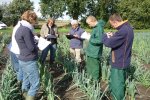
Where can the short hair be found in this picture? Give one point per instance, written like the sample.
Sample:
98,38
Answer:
30,16
74,22
115,17
91,18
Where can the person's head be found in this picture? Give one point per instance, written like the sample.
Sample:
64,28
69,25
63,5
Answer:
74,24
50,21
30,16
115,20
91,21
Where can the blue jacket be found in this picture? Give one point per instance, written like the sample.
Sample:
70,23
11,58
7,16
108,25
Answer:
27,46
121,44
76,43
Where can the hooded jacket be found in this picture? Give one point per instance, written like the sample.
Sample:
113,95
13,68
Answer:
95,46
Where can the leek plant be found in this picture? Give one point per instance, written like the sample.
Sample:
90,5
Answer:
9,88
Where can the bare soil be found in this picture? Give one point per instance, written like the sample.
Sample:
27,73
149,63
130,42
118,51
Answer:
65,90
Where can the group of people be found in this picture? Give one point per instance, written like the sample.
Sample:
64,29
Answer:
120,43
24,50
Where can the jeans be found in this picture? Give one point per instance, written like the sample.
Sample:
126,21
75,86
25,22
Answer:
44,54
31,79
15,65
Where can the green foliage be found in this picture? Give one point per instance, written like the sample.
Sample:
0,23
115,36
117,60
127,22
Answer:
2,7
136,11
74,8
15,9
9,87
1,14
51,8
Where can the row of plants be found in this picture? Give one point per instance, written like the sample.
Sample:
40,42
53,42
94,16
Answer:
90,89
9,87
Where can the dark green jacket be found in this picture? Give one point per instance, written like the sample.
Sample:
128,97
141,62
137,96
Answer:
95,46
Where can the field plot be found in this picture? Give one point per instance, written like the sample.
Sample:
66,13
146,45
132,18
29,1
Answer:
66,80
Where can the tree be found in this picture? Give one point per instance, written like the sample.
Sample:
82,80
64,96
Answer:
74,8
100,8
16,8
51,8
1,14
2,7
136,11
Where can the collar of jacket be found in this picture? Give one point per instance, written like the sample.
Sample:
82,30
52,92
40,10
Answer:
102,22
76,28
27,24
122,23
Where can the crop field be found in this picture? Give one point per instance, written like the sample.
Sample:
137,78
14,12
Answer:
66,80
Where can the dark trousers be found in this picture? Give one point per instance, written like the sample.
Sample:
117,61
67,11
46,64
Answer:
52,49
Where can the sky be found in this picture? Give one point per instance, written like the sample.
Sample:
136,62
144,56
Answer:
36,8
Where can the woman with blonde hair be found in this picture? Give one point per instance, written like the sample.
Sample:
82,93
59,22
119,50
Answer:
28,54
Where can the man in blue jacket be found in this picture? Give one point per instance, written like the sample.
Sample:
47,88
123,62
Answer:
120,43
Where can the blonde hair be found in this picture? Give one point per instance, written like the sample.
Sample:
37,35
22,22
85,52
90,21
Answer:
115,17
30,16
91,18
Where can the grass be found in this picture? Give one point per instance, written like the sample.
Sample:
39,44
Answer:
66,30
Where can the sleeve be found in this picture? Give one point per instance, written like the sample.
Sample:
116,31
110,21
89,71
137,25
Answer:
29,40
115,41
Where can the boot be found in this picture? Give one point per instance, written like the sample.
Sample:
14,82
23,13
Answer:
30,97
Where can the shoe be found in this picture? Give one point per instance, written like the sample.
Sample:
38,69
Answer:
30,97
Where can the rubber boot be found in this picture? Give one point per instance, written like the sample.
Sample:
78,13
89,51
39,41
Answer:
30,97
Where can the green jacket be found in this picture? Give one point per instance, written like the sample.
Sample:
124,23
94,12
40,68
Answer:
95,46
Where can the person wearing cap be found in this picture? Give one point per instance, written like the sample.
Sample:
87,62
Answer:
76,43
94,48
49,31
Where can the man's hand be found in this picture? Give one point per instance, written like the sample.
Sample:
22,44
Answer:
109,34
76,36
